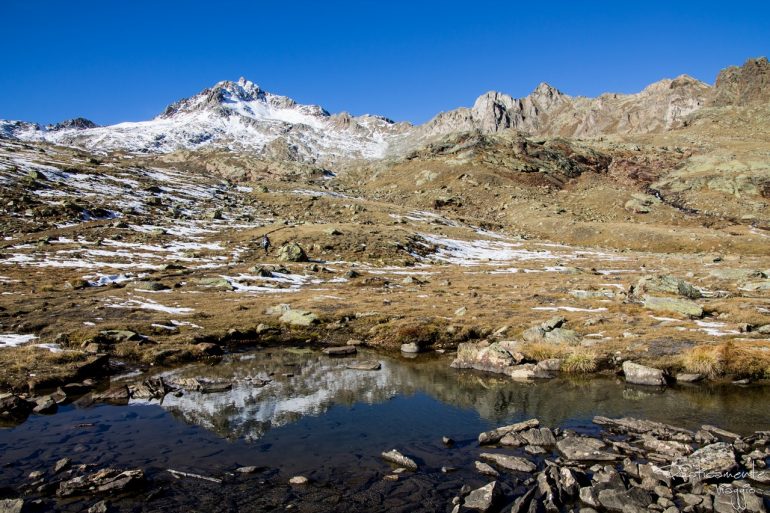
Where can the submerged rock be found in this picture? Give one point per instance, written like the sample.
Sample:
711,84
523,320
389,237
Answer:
367,365
339,351
395,457
107,480
495,435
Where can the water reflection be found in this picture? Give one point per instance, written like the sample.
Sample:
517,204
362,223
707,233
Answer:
309,384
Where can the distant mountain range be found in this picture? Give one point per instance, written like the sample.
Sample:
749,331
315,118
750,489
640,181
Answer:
241,117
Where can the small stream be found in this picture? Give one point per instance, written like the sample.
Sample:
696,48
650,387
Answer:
322,420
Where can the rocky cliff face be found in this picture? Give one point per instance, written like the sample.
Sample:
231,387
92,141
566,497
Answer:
547,111
745,85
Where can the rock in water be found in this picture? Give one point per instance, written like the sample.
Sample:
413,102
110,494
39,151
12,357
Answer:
339,351
298,480
494,436
395,457
643,375
509,462
483,498
366,365
11,505
485,469
578,448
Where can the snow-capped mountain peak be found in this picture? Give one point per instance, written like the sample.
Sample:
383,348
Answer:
235,115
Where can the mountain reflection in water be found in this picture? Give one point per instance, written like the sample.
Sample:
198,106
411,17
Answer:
308,383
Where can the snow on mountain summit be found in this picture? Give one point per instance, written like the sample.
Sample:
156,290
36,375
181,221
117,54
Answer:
234,115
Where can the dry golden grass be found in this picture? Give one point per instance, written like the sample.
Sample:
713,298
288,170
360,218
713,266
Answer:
728,359
541,351
580,362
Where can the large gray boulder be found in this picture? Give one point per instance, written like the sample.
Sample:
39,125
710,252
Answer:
484,498
642,375
299,318
665,284
716,459
683,307
292,252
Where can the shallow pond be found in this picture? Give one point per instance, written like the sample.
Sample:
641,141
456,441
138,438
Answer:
320,419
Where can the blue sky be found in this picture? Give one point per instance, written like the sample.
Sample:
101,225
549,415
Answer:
114,61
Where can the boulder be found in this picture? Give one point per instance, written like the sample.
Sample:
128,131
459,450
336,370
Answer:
292,252
14,407
45,405
115,395
642,375
625,501
484,498
717,459
665,284
410,348
485,469
578,448
216,283
509,462
494,436
299,318
118,336
683,307
11,505
539,436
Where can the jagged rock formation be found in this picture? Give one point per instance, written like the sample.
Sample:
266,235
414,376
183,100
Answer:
745,85
547,111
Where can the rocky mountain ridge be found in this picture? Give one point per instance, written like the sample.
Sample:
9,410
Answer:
242,117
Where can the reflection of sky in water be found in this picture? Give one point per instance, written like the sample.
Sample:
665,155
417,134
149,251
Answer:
319,383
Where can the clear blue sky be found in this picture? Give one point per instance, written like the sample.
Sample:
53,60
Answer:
114,61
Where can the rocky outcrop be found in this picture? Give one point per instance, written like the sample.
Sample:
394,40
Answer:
743,85
547,111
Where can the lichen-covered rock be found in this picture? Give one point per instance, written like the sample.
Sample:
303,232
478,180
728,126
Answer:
292,252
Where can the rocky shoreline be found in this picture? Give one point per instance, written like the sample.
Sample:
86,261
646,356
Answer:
625,465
